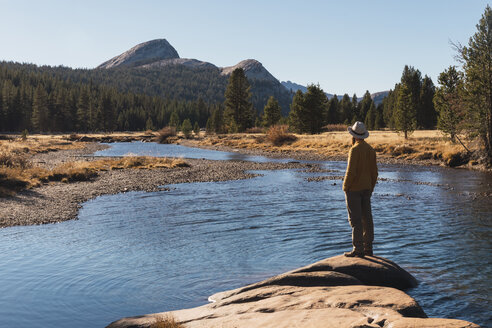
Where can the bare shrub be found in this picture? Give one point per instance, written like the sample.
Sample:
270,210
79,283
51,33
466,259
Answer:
166,134
13,159
278,135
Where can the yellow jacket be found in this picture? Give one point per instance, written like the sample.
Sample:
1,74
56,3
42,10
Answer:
362,170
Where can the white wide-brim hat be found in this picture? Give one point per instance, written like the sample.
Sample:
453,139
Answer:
358,130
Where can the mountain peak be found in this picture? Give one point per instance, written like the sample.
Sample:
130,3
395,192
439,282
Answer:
143,53
253,69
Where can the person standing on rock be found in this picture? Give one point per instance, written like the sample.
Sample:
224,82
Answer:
358,184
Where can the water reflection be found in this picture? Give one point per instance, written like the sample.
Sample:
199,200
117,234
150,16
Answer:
136,253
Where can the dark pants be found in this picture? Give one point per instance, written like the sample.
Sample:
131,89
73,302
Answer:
360,218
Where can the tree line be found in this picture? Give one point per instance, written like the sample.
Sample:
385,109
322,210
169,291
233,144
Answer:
43,102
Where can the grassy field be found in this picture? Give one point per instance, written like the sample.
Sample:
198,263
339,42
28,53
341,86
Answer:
422,145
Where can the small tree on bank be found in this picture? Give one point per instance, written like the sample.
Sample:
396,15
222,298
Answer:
196,129
405,113
174,120
271,112
186,128
447,101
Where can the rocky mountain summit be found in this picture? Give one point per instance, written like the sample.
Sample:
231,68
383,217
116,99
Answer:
253,70
143,53
160,53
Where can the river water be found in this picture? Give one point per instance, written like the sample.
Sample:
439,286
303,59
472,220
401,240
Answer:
137,252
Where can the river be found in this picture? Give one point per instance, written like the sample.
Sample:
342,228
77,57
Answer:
137,252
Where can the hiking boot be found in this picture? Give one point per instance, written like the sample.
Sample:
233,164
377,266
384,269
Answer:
353,254
368,252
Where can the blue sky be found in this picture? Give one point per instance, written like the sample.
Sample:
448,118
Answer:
345,46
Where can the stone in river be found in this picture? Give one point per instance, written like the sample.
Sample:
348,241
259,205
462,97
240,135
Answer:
335,292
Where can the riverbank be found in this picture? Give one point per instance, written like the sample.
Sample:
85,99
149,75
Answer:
422,148
58,201
335,292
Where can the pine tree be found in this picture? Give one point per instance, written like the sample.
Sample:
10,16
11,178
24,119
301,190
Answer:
412,78
308,111
196,129
83,110
61,120
379,120
149,124
217,120
186,128
238,113
174,120
297,112
6,100
2,114
14,115
332,112
389,106
355,109
40,109
271,112
405,113
448,102
316,104
345,109
370,120
364,106
477,59
428,114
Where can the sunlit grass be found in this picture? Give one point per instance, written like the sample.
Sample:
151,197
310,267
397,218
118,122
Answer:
421,145
17,172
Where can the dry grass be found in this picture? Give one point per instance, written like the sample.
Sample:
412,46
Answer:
17,172
14,179
166,322
37,144
279,135
426,145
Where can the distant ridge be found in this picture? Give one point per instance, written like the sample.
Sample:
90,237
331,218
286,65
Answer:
377,97
160,56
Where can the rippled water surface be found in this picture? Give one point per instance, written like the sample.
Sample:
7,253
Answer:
137,253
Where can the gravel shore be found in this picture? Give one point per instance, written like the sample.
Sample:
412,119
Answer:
56,201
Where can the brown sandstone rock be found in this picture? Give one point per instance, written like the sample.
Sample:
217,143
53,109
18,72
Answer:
335,292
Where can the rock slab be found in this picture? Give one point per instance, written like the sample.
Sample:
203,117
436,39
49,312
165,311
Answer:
335,292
